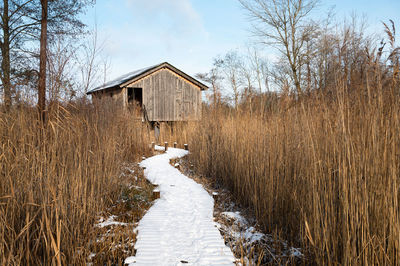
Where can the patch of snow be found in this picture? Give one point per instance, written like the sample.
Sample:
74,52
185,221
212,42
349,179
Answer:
109,221
241,234
236,216
130,170
90,257
251,235
135,187
179,227
159,148
130,260
126,170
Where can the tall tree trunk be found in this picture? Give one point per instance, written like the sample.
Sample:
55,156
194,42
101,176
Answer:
296,79
43,59
5,61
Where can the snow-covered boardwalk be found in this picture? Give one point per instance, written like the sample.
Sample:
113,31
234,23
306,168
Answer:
179,228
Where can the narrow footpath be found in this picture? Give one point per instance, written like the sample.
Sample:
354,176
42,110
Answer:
179,228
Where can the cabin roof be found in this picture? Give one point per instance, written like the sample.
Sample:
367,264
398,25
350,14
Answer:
140,73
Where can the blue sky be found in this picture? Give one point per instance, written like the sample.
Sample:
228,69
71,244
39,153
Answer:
190,33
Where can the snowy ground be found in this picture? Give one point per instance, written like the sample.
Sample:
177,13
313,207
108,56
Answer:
254,246
179,227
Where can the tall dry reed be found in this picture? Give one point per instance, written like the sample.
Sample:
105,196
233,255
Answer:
322,173
54,181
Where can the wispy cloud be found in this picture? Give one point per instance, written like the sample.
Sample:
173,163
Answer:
177,16
186,33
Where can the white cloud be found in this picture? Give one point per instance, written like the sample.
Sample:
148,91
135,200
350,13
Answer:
177,16
141,33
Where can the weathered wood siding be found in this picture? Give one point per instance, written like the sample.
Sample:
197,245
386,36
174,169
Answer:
169,97
118,95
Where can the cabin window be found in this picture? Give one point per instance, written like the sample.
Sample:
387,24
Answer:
135,95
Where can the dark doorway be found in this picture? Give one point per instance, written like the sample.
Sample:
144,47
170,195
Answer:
135,95
130,95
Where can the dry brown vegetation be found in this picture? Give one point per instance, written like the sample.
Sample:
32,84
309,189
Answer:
321,171
318,163
55,181
116,241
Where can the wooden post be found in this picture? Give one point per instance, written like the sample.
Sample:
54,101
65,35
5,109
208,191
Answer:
186,146
156,194
157,132
153,146
175,144
215,195
166,146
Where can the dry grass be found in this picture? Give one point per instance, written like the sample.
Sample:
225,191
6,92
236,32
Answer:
115,242
321,173
178,132
242,235
55,181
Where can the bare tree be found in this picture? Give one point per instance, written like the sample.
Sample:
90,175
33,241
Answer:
90,67
63,17
106,66
260,68
74,67
212,77
61,68
248,72
43,60
5,55
18,24
282,23
230,65
249,75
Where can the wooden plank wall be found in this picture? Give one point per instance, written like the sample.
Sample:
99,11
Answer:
169,97
118,95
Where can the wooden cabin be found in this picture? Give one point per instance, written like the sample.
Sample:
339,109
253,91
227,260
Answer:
162,92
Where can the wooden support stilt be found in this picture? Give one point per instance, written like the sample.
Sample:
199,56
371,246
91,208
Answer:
153,146
175,144
186,146
166,146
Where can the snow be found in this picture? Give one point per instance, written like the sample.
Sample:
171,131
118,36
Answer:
179,228
236,216
251,235
245,231
239,230
159,148
109,221
124,78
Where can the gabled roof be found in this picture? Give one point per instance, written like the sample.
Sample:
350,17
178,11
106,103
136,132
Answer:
140,73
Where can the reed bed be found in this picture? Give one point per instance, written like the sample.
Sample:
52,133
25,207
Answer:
179,132
319,172
55,180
